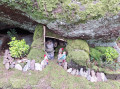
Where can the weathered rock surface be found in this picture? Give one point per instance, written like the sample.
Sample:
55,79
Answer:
99,77
32,65
15,18
18,67
65,66
77,72
69,70
7,66
38,66
73,72
81,72
103,77
27,66
101,29
93,78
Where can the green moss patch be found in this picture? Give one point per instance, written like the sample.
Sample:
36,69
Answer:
38,32
78,51
80,57
37,48
36,54
77,44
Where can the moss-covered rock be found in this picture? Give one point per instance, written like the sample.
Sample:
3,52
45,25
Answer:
37,48
38,32
36,54
80,57
77,44
78,51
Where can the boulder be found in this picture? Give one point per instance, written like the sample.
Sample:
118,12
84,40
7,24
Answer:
73,72
104,28
28,63
27,66
7,66
38,66
65,65
32,65
18,67
24,60
89,77
85,73
19,61
93,79
77,72
99,77
5,60
69,70
12,65
93,76
81,72
103,77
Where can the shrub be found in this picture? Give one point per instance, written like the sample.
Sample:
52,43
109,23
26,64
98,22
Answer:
18,48
110,54
101,49
95,54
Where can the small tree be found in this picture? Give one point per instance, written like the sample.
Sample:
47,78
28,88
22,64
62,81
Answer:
18,48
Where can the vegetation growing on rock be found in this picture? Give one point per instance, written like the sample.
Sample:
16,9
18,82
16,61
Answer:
78,51
37,47
95,54
38,32
72,10
108,53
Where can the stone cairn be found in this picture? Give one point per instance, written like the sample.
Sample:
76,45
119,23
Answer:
89,74
8,61
23,64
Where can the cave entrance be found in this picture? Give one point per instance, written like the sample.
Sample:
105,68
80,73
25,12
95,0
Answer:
6,34
52,46
52,43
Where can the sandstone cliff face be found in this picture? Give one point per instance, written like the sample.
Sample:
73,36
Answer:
103,29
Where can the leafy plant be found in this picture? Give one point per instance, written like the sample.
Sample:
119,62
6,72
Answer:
96,54
18,48
110,54
12,33
101,49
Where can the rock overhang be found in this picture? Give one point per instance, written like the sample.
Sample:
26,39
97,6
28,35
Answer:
105,28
